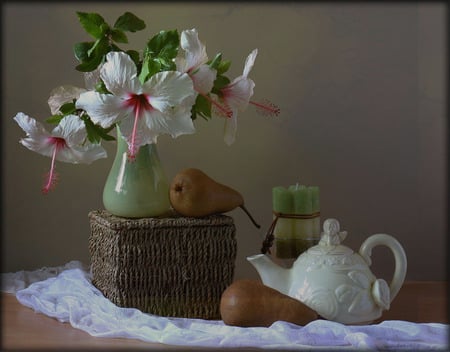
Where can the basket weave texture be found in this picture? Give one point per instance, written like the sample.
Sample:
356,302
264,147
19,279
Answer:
175,266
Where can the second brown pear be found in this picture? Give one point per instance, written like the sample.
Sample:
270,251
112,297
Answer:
193,193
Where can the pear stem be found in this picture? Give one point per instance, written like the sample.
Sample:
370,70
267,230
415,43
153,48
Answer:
250,216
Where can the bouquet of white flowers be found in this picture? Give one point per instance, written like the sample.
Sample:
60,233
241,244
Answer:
160,90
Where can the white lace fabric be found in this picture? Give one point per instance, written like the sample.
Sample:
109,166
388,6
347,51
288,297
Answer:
67,294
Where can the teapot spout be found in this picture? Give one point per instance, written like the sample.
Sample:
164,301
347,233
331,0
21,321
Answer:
271,274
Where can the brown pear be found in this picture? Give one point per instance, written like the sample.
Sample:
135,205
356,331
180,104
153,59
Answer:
193,193
248,303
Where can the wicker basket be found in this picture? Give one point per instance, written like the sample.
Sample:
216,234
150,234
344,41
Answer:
173,266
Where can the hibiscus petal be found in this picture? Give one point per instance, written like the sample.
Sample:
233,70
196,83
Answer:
37,140
40,146
168,88
119,74
238,93
249,62
204,78
31,127
103,109
180,122
195,51
181,63
92,78
61,95
81,154
72,129
155,124
230,129
143,134
175,123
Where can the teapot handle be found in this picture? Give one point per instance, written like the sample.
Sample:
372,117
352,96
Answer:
399,254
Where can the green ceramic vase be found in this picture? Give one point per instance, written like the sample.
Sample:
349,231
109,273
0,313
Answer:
136,188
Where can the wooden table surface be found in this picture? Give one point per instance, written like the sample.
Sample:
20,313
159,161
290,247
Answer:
22,328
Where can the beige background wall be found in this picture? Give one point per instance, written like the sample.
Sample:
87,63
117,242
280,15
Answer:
362,92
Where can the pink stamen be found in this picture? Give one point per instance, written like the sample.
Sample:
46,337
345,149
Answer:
138,103
266,108
52,177
223,110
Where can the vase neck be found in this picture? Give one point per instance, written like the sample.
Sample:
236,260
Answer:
142,154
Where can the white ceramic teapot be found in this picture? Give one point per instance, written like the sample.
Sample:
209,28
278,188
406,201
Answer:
335,281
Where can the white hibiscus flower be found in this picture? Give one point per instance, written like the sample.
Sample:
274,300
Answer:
161,105
67,143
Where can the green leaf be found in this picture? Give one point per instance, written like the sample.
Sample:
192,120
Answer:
96,57
214,63
100,87
68,108
129,22
164,44
103,132
119,36
145,70
92,135
92,49
223,67
114,47
159,53
165,64
149,68
92,23
202,107
96,133
90,65
55,119
81,50
65,109
219,83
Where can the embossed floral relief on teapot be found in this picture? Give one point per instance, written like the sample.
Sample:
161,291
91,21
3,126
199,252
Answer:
333,280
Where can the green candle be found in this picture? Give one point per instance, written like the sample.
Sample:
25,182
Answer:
294,236
282,200
302,199
302,206
282,203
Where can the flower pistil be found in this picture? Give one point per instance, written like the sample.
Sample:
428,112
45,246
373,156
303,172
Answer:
51,177
266,108
138,103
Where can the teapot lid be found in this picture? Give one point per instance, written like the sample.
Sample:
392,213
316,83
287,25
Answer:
330,241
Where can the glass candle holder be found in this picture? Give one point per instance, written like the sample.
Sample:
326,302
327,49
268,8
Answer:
296,221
